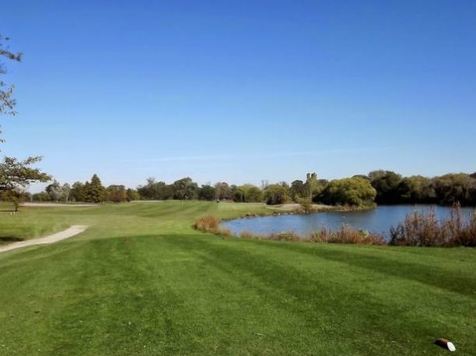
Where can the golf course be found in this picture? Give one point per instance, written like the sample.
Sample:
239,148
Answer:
141,281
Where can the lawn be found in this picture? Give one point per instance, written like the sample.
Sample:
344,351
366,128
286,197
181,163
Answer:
140,280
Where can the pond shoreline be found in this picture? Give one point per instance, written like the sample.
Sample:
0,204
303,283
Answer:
295,209
378,220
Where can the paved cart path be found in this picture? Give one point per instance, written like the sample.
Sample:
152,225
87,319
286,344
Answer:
62,235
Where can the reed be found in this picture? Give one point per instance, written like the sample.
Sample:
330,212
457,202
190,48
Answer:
346,235
424,229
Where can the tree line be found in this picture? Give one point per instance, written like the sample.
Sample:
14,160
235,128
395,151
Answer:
88,192
381,187
378,187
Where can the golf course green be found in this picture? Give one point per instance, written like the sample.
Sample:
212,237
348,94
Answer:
141,281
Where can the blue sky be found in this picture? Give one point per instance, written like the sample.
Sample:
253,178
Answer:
242,90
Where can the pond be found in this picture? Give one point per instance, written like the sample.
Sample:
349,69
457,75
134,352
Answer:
378,220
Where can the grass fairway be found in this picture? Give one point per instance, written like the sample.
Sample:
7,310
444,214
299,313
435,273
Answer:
142,281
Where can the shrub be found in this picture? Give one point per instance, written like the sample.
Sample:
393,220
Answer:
347,235
211,224
246,235
284,236
424,229
305,205
207,223
418,229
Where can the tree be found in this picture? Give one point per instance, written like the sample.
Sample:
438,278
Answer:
16,175
237,194
54,191
206,192
116,193
349,191
94,190
149,190
416,190
132,194
276,194
223,191
386,184
7,101
453,188
248,193
154,190
185,189
252,193
311,185
78,192
42,196
298,190
57,192
66,191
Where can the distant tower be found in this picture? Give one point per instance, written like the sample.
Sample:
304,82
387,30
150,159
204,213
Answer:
264,183
311,183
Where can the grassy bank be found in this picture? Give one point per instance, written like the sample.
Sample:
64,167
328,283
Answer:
142,281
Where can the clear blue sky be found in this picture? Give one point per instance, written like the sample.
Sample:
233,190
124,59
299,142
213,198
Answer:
242,90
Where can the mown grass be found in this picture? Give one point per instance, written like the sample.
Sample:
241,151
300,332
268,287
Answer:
141,280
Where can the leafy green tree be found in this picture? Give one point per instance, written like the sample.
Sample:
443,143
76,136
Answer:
223,191
309,190
185,189
41,196
58,192
7,101
150,190
65,192
454,188
16,175
252,193
298,190
78,192
116,193
416,190
166,191
349,191
248,193
132,194
386,183
361,176
54,191
206,192
276,194
94,190
238,194
311,185
154,190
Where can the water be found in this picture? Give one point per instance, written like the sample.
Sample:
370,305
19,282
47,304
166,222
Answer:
378,220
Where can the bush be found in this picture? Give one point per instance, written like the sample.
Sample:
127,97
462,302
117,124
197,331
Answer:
305,205
284,236
424,229
347,235
207,223
246,235
211,224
